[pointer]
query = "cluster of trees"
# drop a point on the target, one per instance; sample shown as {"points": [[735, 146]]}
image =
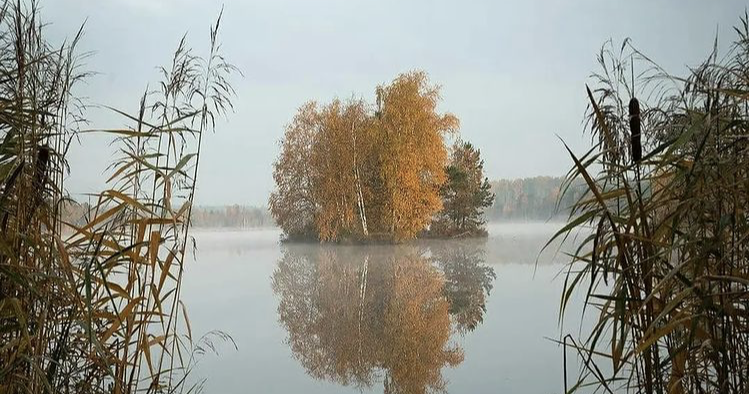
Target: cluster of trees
{"points": [[536, 198], [354, 170], [356, 315]]}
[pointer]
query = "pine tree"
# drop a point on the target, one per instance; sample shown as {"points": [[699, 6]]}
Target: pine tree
{"points": [[465, 195]]}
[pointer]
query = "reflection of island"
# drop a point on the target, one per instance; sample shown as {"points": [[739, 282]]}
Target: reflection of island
{"points": [[467, 283], [358, 315]]}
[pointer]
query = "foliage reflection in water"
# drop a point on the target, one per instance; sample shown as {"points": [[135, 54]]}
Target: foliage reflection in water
{"points": [[363, 315]]}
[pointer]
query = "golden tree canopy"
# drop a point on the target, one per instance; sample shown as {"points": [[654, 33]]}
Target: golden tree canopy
{"points": [[353, 170]]}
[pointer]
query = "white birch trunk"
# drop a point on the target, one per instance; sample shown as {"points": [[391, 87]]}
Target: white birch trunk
{"points": [[359, 194]]}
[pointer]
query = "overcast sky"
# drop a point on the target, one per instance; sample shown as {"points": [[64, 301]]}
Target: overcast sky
{"points": [[514, 72]]}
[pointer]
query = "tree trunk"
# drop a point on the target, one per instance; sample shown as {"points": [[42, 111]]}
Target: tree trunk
{"points": [[360, 201], [359, 194]]}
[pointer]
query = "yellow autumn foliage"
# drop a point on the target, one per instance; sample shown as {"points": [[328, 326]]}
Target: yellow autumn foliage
{"points": [[354, 170]]}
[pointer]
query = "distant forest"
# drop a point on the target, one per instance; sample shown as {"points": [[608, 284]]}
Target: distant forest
{"points": [[530, 199], [523, 199], [229, 216], [232, 216]]}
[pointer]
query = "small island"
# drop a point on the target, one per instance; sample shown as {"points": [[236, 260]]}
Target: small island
{"points": [[351, 171]]}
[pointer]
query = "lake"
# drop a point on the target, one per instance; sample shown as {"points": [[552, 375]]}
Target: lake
{"points": [[468, 316]]}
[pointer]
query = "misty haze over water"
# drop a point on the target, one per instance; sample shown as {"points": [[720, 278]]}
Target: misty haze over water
{"points": [[509, 351]]}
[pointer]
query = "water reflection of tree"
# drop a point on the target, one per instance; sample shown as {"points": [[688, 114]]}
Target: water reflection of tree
{"points": [[468, 282], [358, 315]]}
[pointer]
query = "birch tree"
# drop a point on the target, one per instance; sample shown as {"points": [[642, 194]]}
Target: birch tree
{"points": [[348, 172], [412, 152], [338, 156], [293, 204]]}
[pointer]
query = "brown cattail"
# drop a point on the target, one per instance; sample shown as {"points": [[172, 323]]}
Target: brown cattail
{"points": [[39, 182], [40, 170], [634, 127]]}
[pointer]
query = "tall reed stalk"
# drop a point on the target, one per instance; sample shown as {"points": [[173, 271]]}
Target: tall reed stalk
{"points": [[664, 256], [96, 307]]}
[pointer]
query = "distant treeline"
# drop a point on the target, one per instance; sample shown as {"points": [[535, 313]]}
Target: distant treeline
{"points": [[232, 216], [530, 199]]}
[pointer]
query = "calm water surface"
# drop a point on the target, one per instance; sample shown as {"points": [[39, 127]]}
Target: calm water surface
{"points": [[470, 316]]}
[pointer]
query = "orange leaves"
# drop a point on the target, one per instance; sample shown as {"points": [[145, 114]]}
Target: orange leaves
{"points": [[346, 171], [336, 153], [413, 152], [292, 204]]}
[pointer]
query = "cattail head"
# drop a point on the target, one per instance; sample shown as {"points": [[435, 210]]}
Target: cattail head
{"points": [[40, 169], [634, 128]]}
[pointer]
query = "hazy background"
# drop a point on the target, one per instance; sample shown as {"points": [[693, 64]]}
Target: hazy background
{"points": [[512, 71]]}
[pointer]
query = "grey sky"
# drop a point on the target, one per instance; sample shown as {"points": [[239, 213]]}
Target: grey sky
{"points": [[512, 71]]}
